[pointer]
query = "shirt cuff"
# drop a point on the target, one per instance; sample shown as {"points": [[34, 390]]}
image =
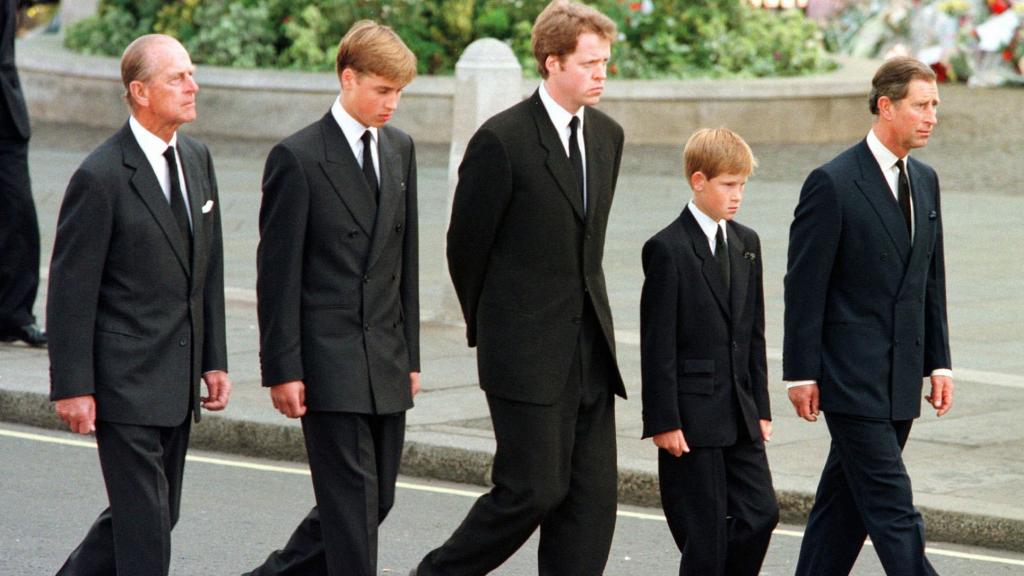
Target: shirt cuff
{"points": [[796, 383], [943, 372]]}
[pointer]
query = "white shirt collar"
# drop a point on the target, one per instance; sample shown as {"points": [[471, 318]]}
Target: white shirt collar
{"points": [[708, 226], [560, 117], [352, 128], [885, 157], [151, 144]]}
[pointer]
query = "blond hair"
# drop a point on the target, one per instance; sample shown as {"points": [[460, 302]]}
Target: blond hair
{"points": [[714, 151], [560, 24], [370, 48]]}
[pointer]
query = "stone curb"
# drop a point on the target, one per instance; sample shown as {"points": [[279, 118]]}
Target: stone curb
{"points": [[452, 464]]}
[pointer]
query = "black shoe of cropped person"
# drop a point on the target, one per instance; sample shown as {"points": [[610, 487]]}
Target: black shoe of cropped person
{"points": [[29, 334]]}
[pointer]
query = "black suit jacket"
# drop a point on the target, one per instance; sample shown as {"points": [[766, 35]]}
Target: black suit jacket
{"points": [[337, 275], [14, 123], [522, 253], [865, 307], [129, 322], [702, 350]]}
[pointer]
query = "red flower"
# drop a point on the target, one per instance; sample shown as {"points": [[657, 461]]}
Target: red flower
{"points": [[1007, 55], [635, 6], [941, 75], [998, 6]]}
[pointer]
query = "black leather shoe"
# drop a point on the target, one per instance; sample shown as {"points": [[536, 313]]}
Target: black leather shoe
{"points": [[29, 334]]}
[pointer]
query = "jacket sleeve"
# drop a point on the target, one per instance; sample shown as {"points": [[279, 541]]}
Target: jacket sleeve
{"points": [[659, 300], [84, 229], [813, 242], [215, 354], [410, 288], [283, 218], [483, 192], [758, 368], [936, 325]]}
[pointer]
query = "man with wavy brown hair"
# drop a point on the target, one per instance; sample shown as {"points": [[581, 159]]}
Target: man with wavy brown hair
{"points": [[524, 251], [338, 302]]}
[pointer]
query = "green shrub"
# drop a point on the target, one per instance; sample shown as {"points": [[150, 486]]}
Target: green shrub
{"points": [[658, 39]]}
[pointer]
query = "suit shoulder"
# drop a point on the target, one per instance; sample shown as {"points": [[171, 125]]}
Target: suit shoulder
{"points": [[304, 140], [105, 158], [510, 120], [604, 122], [669, 237]]}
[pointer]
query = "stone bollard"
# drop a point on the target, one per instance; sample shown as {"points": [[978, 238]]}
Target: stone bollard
{"points": [[72, 11], [488, 79]]}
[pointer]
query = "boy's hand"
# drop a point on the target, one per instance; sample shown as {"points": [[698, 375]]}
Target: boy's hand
{"points": [[672, 442], [766, 430]]}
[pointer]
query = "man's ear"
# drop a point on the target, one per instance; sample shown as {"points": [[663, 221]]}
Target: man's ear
{"points": [[138, 92]]}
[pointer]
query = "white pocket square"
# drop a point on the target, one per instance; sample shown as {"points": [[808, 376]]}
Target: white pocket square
{"points": [[207, 207]]}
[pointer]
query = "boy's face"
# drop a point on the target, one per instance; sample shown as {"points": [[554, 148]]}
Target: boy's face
{"points": [[719, 197], [369, 98]]}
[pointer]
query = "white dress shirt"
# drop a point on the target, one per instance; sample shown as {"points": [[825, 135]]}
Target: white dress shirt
{"points": [[153, 147], [888, 161], [561, 118], [709, 226], [353, 130]]}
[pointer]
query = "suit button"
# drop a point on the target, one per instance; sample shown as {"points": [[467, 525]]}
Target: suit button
{"points": [[353, 234], [884, 255], [366, 327], [399, 227], [917, 342], [366, 279], [896, 343], [183, 342], [576, 319]]}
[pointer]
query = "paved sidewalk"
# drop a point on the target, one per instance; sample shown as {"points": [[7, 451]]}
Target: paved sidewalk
{"points": [[968, 467]]}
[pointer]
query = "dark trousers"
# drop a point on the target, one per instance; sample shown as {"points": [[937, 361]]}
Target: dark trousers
{"points": [[554, 468], [354, 460], [864, 490], [720, 506], [19, 237], [142, 468]]}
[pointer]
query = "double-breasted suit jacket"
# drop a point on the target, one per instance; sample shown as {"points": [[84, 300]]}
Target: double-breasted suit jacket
{"points": [[338, 275], [865, 306], [703, 348], [523, 253], [133, 319]]}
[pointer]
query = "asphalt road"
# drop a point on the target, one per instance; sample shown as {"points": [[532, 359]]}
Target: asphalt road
{"points": [[237, 510]]}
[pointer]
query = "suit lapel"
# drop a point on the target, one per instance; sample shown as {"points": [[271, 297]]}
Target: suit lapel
{"points": [[739, 270], [392, 186], [148, 188], [557, 160], [197, 194], [875, 188], [342, 170], [709, 266]]}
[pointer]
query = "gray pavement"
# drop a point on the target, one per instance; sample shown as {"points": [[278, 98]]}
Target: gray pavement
{"points": [[268, 498], [967, 467]]}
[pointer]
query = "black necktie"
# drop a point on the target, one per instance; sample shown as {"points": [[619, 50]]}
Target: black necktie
{"points": [[903, 193], [178, 202], [575, 158], [722, 255], [368, 172]]}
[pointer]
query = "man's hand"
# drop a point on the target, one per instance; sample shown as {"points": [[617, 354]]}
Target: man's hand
{"points": [[79, 412], [941, 397], [218, 388], [672, 442], [805, 400], [289, 398], [414, 382], [766, 430]]}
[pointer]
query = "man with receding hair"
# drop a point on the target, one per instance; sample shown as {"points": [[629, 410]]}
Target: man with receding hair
{"points": [[338, 302], [136, 310], [866, 323], [525, 245]]}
